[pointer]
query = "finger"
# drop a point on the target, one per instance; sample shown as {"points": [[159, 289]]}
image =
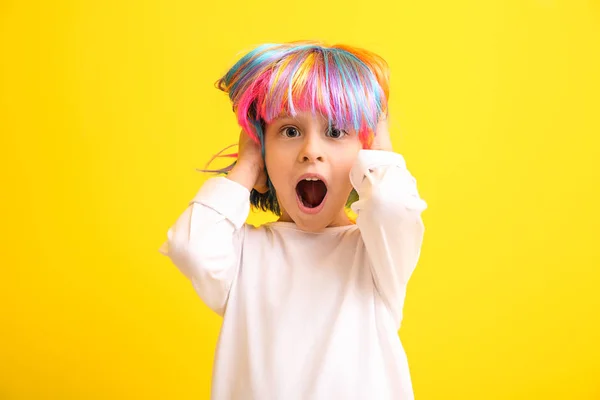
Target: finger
{"points": [[382, 126], [261, 189]]}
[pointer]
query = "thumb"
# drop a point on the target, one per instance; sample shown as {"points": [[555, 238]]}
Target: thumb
{"points": [[261, 182]]}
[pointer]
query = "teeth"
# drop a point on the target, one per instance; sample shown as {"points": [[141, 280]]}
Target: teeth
{"points": [[311, 179]]}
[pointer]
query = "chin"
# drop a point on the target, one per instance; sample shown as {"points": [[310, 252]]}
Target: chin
{"points": [[312, 219], [313, 223]]}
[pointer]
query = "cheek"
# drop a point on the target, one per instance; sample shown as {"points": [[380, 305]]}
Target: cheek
{"points": [[342, 170], [276, 169], [348, 160], [344, 167]]}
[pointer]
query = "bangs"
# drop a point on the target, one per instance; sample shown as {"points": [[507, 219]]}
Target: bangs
{"points": [[348, 86]]}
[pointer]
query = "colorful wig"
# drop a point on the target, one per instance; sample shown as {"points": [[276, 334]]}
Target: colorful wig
{"points": [[349, 86]]}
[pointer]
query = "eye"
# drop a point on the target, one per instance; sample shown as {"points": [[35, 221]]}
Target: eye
{"points": [[336, 133], [290, 132]]}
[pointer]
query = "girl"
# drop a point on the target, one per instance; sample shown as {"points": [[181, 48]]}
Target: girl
{"points": [[311, 303]]}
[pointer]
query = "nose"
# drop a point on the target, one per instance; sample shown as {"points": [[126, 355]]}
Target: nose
{"points": [[312, 149]]}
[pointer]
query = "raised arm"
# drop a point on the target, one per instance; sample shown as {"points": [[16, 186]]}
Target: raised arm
{"points": [[389, 218], [206, 240]]}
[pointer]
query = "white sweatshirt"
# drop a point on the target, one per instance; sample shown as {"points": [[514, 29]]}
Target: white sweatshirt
{"points": [[306, 315]]}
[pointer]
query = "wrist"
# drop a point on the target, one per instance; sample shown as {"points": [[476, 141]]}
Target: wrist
{"points": [[383, 147], [245, 175]]}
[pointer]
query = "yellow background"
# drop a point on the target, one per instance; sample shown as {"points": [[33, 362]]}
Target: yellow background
{"points": [[107, 108]]}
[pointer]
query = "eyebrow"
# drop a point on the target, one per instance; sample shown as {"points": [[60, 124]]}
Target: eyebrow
{"points": [[285, 117]]}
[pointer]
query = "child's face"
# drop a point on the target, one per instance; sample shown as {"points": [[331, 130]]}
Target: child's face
{"points": [[296, 146]]}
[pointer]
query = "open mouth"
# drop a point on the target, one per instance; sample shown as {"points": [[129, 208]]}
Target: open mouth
{"points": [[311, 192]]}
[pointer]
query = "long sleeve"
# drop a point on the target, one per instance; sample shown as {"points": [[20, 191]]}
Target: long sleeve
{"points": [[389, 218], [205, 241]]}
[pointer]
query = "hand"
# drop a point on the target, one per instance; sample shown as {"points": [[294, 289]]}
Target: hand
{"points": [[249, 169], [382, 140]]}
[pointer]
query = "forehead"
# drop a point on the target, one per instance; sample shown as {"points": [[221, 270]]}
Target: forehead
{"points": [[302, 117]]}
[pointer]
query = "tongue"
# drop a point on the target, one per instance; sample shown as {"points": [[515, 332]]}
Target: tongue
{"points": [[312, 193]]}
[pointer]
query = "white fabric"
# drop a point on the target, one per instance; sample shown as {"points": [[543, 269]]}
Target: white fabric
{"points": [[306, 315]]}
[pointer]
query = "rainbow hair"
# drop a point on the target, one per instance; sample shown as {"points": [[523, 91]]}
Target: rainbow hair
{"points": [[348, 85]]}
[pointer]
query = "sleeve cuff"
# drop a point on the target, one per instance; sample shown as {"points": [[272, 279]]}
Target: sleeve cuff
{"points": [[370, 159], [226, 197]]}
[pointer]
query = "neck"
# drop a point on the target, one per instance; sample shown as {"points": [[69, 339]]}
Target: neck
{"points": [[341, 219]]}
